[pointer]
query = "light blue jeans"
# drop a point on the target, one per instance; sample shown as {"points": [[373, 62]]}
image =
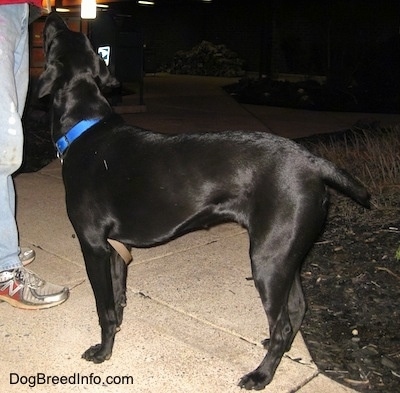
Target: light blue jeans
{"points": [[14, 78]]}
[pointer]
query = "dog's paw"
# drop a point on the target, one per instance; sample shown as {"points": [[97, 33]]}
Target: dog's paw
{"points": [[254, 381], [96, 354]]}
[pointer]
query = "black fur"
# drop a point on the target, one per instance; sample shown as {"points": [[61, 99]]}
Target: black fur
{"points": [[144, 188]]}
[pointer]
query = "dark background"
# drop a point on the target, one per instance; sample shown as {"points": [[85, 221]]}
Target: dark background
{"points": [[334, 38]]}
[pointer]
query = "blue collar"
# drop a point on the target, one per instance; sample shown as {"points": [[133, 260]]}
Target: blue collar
{"points": [[74, 133]]}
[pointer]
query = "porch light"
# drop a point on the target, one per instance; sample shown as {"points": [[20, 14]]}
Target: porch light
{"points": [[88, 9]]}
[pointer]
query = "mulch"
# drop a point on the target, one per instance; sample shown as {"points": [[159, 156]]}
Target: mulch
{"points": [[351, 280]]}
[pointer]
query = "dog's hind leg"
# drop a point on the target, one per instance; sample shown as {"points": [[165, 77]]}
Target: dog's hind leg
{"points": [[273, 281], [277, 250], [297, 309], [98, 267], [119, 272]]}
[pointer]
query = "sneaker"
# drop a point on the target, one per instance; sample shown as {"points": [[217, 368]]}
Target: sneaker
{"points": [[22, 288], [26, 255]]}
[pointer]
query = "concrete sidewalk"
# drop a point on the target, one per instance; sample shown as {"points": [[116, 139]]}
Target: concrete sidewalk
{"points": [[193, 322], [177, 103]]}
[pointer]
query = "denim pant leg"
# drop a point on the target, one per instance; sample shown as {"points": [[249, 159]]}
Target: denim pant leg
{"points": [[14, 66]]}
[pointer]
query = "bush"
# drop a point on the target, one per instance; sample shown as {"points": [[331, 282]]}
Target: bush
{"points": [[208, 59]]}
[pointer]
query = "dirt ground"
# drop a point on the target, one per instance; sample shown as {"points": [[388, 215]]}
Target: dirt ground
{"points": [[351, 281]]}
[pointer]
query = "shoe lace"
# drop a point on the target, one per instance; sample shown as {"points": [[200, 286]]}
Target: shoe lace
{"points": [[29, 278]]}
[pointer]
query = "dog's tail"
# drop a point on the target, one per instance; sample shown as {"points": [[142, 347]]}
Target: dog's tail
{"points": [[342, 181]]}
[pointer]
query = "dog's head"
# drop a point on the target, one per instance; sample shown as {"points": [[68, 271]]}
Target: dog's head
{"points": [[69, 53]]}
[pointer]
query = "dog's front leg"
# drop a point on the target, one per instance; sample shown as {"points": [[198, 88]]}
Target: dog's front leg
{"points": [[98, 268], [119, 271]]}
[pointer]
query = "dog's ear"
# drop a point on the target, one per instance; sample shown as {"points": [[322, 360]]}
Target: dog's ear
{"points": [[104, 76], [47, 81], [53, 26]]}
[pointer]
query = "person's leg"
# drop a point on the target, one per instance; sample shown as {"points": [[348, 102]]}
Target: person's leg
{"points": [[26, 255], [18, 286], [14, 66]]}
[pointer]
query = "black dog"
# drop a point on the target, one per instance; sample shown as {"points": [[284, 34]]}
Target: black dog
{"points": [[142, 189]]}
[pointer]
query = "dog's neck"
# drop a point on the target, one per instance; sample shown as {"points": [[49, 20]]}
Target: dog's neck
{"points": [[63, 143], [80, 100]]}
